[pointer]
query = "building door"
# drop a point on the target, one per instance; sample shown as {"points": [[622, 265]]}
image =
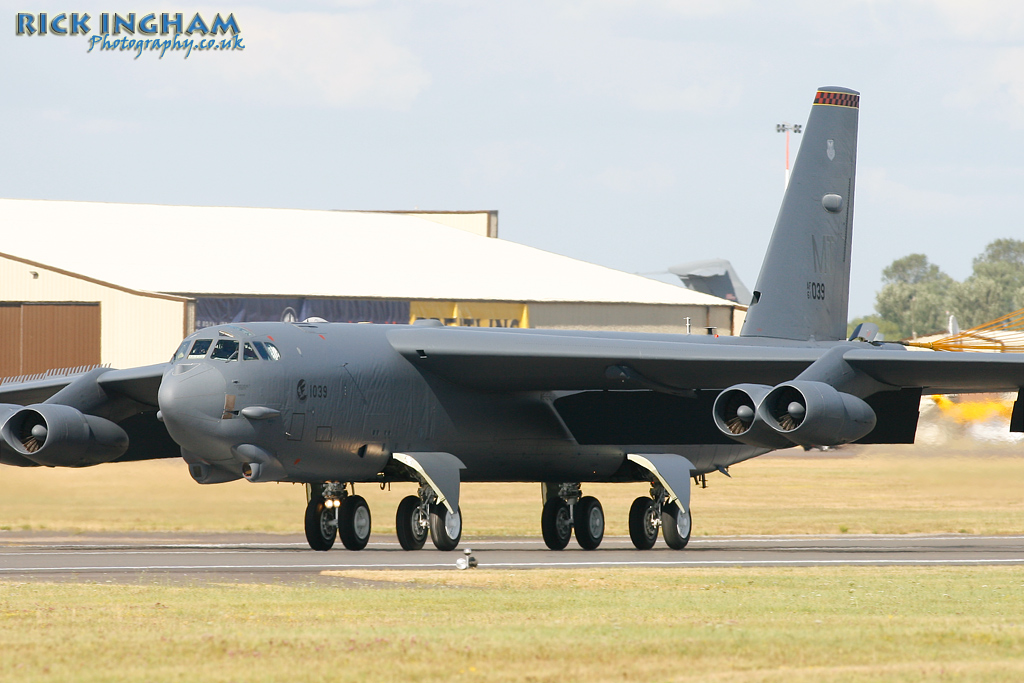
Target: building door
{"points": [[38, 337]]}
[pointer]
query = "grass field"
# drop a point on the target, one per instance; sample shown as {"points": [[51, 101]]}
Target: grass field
{"points": [[807, 624], [621, 624], [893, 489]]}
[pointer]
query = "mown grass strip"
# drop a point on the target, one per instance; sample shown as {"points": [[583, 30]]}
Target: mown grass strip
{"points": [[804, 624]]}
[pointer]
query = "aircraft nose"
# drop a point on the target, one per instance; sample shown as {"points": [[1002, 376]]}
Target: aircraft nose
{"points": [[192, 401]]}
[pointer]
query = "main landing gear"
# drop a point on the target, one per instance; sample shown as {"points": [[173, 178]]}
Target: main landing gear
{"points": [[333, 511], [421, 514], [647, 515], [566, 509]]}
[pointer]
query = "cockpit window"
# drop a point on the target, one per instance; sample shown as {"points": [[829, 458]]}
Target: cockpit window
{"points": [[249, 353], [182, 350], [262, 350], [200, 348], [226, 349], [272, 351]]}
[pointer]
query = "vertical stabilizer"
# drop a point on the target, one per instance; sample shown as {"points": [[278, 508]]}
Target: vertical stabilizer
{"points": [[803, 291]]}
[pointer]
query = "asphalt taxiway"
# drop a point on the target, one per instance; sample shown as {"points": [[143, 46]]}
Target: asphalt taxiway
{"points": [[51, 556]]}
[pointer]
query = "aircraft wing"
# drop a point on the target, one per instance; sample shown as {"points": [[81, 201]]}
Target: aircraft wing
{"points": [[127, 398], [495, 361], [36, 389], [941, 372], [508, 361], [139, 384]]}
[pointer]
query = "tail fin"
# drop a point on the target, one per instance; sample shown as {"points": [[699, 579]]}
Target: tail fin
{"points": [[803, 291]]}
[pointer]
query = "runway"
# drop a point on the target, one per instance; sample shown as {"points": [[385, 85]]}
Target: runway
{"points": [[51, 556]]}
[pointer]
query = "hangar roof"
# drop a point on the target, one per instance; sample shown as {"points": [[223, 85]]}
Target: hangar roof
{"points": [[289, 252]]}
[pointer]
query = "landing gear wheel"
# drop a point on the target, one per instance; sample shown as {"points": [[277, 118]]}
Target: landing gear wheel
{"points": [[556, 524], [643, 528], [354, 522], [321, 525], [445, 527], [412, 528], [675, 526], [589, 523]]}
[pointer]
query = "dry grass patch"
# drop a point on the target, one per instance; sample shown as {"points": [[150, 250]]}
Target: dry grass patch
{"points": [[879, 489]]}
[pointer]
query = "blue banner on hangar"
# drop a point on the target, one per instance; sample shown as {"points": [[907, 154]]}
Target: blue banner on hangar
{"points": [[218, 311]]}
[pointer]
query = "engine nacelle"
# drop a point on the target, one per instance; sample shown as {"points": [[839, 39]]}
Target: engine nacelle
{"points": [[60, 436], [7, 454], [815, 414], [737, 417]]}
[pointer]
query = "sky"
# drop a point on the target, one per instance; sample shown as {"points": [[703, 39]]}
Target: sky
{"points": [[635, 135]]}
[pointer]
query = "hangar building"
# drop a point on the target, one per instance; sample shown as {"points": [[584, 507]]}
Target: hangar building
{"points": [[81, 278]]}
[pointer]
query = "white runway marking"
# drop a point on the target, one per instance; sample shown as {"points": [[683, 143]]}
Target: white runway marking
{"points": [[508, 565]]}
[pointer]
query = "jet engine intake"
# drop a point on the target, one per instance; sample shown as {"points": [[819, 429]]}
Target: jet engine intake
{"points": [[815, 414], [61, 436], [7, 455], [736, 416]]}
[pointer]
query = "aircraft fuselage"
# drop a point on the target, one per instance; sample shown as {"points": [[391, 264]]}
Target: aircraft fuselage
{"points": [[340, 399]]}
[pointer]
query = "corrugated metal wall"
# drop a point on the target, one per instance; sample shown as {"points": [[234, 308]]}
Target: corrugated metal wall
{"points": [[59, 335], [37, 337], [10, 340]]}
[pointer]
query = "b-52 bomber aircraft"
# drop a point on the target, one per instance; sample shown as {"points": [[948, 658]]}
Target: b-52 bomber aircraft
{"points": [[330, 405]]}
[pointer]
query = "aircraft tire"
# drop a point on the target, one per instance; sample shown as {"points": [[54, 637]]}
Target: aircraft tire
{"points": [[411, 534], [642, 530], [320, 521], [354, 522], [589, 523], [445, 528], [556, 524], [675, 526]]}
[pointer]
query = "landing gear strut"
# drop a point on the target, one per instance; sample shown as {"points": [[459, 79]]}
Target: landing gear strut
{"points": [[647, 515], [436, 505], [568, 510], [333, 511]]}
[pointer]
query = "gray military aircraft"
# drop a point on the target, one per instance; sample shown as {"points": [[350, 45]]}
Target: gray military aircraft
{"points": [[329, 405]]}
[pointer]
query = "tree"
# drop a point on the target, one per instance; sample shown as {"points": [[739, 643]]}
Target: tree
{"points": [[915, 296], [995, 288]]}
